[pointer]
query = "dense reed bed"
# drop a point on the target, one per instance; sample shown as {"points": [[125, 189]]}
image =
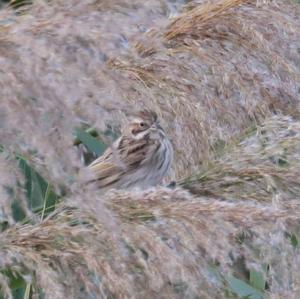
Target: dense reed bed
{"points": [[223, 77]]}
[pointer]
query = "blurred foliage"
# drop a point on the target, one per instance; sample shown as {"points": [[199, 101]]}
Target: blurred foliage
{"points": [[252, 288], [42, 199], [243, 289], [92, 143], [16, 283], [293, 239], [40, 195]]}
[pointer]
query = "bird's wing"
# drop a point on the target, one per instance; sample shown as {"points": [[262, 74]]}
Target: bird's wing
{"points": [[106, 170], [123, 157]]}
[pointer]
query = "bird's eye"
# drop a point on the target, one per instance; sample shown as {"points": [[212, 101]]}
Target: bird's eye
{"points": [[143, 125]]}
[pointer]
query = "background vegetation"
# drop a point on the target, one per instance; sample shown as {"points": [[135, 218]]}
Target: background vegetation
{"points": [[223, 77]]}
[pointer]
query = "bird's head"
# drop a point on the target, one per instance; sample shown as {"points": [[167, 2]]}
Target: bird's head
{"points": [[145, 124]]}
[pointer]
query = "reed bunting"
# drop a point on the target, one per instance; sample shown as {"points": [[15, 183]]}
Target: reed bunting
{"points": [[141, 157]]}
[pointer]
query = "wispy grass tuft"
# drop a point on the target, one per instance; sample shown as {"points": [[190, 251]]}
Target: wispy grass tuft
{"points": [[264, 166]]}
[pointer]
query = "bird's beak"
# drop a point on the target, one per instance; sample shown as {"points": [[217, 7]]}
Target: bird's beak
{"points": [[155, 127], [159, 127]]}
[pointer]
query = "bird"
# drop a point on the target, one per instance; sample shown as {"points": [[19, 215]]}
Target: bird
{"points": [[140, 158]]}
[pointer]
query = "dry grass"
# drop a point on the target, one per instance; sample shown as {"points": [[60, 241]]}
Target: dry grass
{"points": [[263, 166], [207, 84], [223, 77], [162, 242], [199, 15]]}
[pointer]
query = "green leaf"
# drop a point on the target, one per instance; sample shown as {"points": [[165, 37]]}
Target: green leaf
{"points": [[294, 241], [16, 283], [215, 274], [257, 280], [242, 289], [93, 144], [19, 293], [93, 132], [17, 211], [3, 226], [40, 194], [50, 199], [111, 133], [15, 280], [34, 186]]}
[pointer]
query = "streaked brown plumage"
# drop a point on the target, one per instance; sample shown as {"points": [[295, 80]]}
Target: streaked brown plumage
{"points": [[141, 157]]}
